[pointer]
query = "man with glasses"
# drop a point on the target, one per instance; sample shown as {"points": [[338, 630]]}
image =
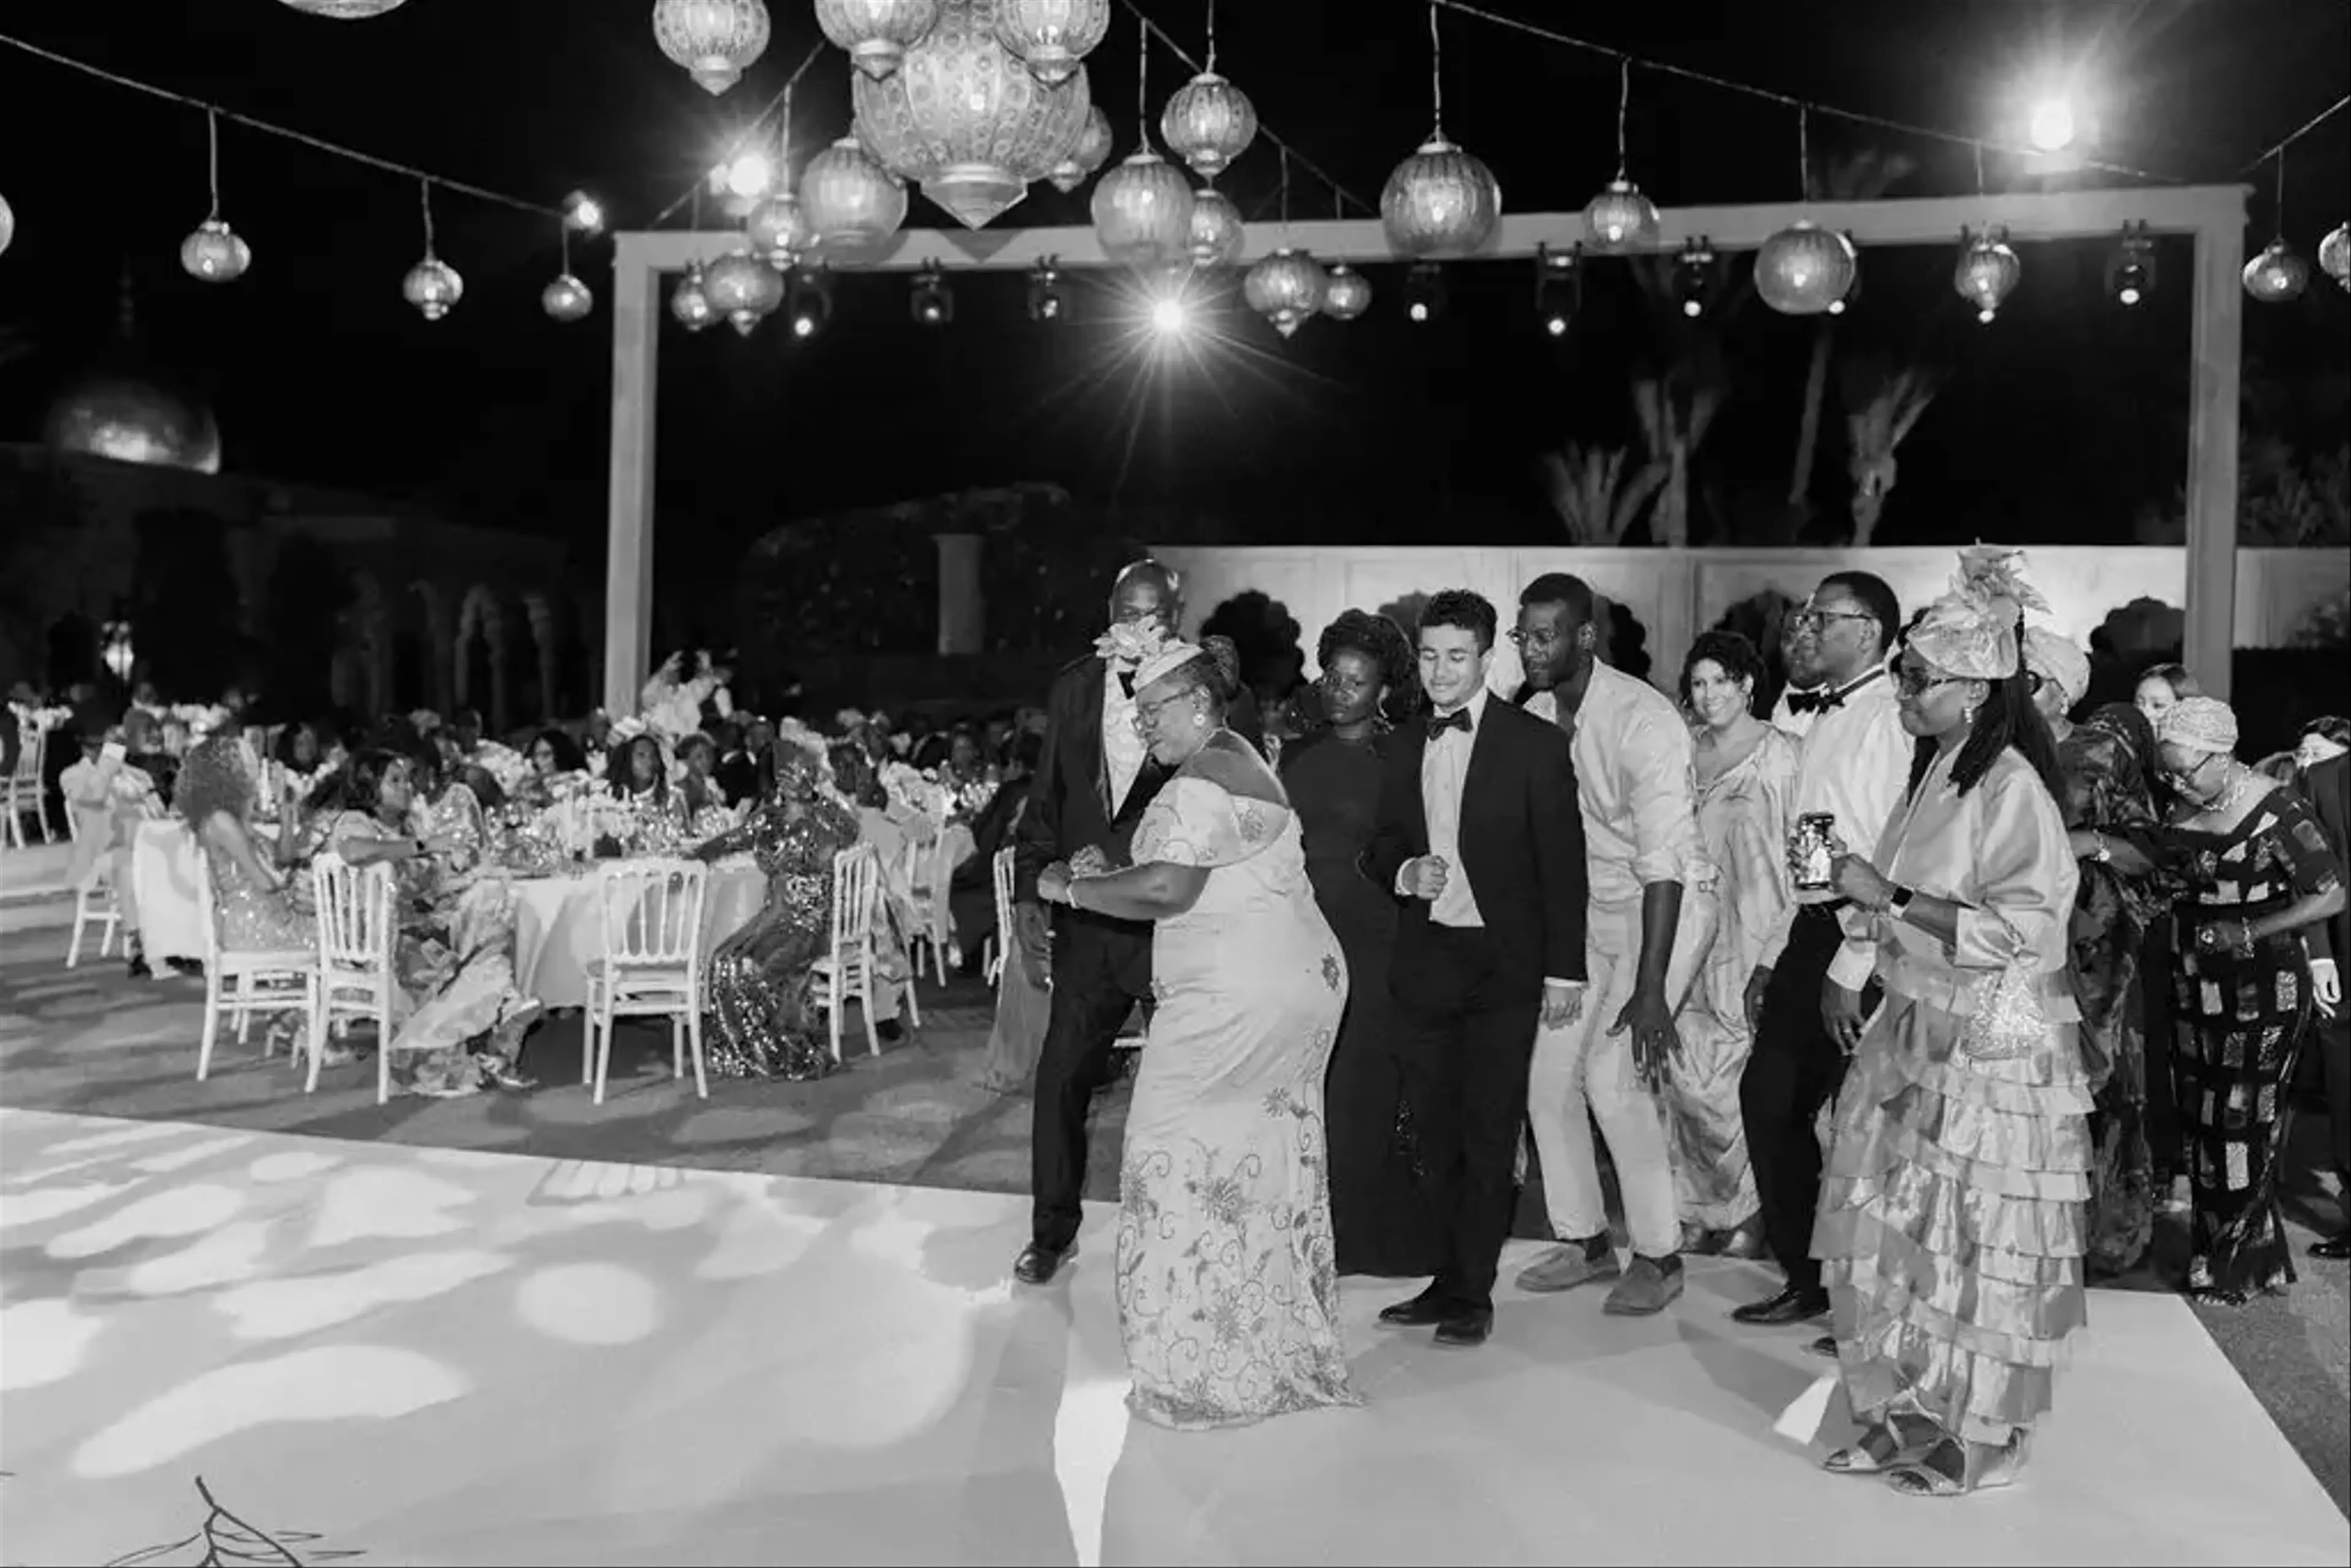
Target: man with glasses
{"points": [[1809, 995], [1637, 795]]}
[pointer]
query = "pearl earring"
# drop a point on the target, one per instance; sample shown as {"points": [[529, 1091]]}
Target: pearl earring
{"points": [[1197, 721]]}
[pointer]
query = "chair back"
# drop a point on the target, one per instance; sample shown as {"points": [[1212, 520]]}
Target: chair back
{"points": [[1001, 870], [207, 912], [856, 885], [357, 922], [32, 749], [652, 912]]}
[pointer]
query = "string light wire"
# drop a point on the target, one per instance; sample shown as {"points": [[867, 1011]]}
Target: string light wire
{"points": [[1142, 88], [2313, 124], [1624, 113], [743, 142], [425, 200], [212, 160], [1436, 74]]}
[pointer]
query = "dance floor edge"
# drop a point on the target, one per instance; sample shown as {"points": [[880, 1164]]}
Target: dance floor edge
{"points": [[236, 1345]]}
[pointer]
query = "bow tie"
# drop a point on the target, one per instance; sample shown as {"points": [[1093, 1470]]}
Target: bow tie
{"points": [[1127, 682], [1457, 719], [1814, 702]]}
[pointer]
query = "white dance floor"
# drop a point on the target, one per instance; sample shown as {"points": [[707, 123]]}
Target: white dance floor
{"points": [[221, 1346]]}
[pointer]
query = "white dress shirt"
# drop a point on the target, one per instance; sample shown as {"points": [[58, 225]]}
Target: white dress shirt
{"points": [[1635, 784], [1854, 763], [1123, 751], [1443, 767]]}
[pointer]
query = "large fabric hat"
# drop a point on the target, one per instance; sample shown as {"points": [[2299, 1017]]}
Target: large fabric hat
{"points": [[2058, 660], [2200, 724], [1971, 631]]}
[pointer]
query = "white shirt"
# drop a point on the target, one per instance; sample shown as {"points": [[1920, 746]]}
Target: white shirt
{"points": [[1853, 763], [1123, 751], [1444, 766], [1635, 784]]}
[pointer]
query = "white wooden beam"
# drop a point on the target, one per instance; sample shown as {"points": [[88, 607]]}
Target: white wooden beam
{"points": [[637, 307], [2027, 216], [2216, 352]]}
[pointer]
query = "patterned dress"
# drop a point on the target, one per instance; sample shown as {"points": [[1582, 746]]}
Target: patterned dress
{"points": [[2238, 1022], [1228, 1289], [762, 979]]}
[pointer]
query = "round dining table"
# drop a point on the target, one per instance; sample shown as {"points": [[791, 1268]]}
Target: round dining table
{"points": [[559, 925]]}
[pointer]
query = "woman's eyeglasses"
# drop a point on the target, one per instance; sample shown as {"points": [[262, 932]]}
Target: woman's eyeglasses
{"points": [[1146, 715], [1916, 682]]}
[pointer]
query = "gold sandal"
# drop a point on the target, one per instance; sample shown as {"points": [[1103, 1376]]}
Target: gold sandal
{"points": [[1981, 1468], [1883, 1447]]}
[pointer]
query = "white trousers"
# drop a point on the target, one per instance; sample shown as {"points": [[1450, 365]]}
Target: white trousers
{"points": [[1582, 1073]]}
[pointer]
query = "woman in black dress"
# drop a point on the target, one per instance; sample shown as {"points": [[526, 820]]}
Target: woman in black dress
{"points": [[1381, 1208]]}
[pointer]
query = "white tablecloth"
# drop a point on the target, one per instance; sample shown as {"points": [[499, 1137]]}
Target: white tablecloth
{"points": [[560, 929]]}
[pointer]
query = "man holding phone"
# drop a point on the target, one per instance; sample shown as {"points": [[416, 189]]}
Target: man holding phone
{"points": [[1809, 996]]}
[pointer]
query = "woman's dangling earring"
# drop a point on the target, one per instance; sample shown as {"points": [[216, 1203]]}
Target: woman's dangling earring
{"points": [[1968, 716], [1199, 720]]}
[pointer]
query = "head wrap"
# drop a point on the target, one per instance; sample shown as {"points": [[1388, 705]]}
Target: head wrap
{"points": [[1165, 660], [2200, 724], [2057, 660], [1970, 631]]}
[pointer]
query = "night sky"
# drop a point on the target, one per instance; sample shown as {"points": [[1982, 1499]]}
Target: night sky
{"points": [[2059, 422]]}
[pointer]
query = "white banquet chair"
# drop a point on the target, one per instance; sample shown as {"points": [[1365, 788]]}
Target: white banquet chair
{"points": [[994, 951], [24, 797], [96, 901], [928, 875], [653, 963], [358, 928], [245, 982], [846, 971]]}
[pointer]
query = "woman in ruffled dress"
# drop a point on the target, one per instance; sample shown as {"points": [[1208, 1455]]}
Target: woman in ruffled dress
{"points": [[763, 978], [1746, 782], [2108, 763], [1227, 1292], [2259, 873], [458, 1017], [1951, 1228]]}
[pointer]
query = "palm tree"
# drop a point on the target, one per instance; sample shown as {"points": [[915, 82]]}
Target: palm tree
{"points": [[1676, 409], [1882, 403], [1596, 499], [1864, 177]]}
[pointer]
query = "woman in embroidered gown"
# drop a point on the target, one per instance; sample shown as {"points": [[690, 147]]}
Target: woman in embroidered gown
{"points": [[1952, 1211], [2108, 763], [2259, 872], [257, 905], [762, 979], [1227, 1294], [1382, 1212], [1746, 782], [457, 1016]]}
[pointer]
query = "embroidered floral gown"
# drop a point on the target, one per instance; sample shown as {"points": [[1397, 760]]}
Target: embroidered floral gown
{"points": [[1227, 1279], [762, 979]]}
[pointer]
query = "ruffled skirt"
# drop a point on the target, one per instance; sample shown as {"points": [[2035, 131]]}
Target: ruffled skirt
{"points": [[1952, 1223]]}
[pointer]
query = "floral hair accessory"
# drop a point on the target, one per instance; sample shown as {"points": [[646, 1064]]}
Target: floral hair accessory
{"points": [[625, 730], [1971, 631], [2057, 660], [1128, 643], [849, 720]]}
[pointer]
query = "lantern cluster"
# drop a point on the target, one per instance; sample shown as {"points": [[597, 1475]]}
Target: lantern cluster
{"points": [[876, 34], [715, 40]]}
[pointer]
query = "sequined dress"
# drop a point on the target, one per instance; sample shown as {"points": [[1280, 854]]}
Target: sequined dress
{"points": [[763, 978]]}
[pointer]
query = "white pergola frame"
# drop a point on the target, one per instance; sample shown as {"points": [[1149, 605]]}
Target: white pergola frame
{"points": [[2213, 215]]}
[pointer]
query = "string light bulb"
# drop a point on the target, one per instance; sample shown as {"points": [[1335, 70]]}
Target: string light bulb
{"points": [[583, 214], [565, 298], [432, 286], [214, 253], [2277, 275]]}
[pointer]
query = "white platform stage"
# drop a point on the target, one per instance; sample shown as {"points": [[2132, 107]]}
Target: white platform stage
{"points": [[382, 1354]]}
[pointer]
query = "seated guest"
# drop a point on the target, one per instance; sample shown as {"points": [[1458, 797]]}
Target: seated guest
{"points": [[2322, 737], [106, 798], [142, 747], [971, 889], [697, 756], [738, 771], [300, 750], [554, 755]]}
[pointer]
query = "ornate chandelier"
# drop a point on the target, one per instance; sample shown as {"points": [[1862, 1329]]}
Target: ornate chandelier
{"points": [[1620, 218], [778, 229], [715, 40], [1285, 288], [1091, 152], [2277, 275], [691, 301], [743, 288], [1346, 293], [1052, 36], [876, 34], [1988, 269], [1805, 270], [849, 202], [965, 118], [1217, 233], [2333, 253], [345, 10], [1440, 202], [1208, 123]]}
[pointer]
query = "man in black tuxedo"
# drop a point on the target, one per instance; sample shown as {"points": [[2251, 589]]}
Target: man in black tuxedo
{"points": [[1479, 835], [2327, 786], [1092, 781]]}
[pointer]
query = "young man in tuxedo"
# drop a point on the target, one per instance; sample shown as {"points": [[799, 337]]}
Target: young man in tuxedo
{"points": [[1095, 776], [1478, 836]]}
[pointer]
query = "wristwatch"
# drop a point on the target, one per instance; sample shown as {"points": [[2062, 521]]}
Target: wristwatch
{"points": [[1899, 904]]}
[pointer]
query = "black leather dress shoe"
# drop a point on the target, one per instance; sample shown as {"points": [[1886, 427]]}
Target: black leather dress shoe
{"points": [[2335, 1249], [1466, 1328], [1789, 1306], [1419, 1313], [1038, 1264]]}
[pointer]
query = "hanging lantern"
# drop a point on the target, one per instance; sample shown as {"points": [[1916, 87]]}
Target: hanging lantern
{"points": [[1621, 218], [1346, 294], [1987, 271], [963, 116], [345, 10], [434, 286], [743, 288], [1052, 36], [1217, 233], [1440, 202], [778, 229], [1285, 287], [2277, 275], [7, 225], [215, 254], [565, 298], [715, 40], [1804, 269], [1143, 212], [1208, 123], [2334, 251], [876, 34], [691, 302], [850, 202], [1091, 152]]}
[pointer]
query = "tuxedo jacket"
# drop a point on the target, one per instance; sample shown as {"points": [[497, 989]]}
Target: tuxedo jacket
{"points": [[2327, 788], [1521, 844], [1069, 804]]}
